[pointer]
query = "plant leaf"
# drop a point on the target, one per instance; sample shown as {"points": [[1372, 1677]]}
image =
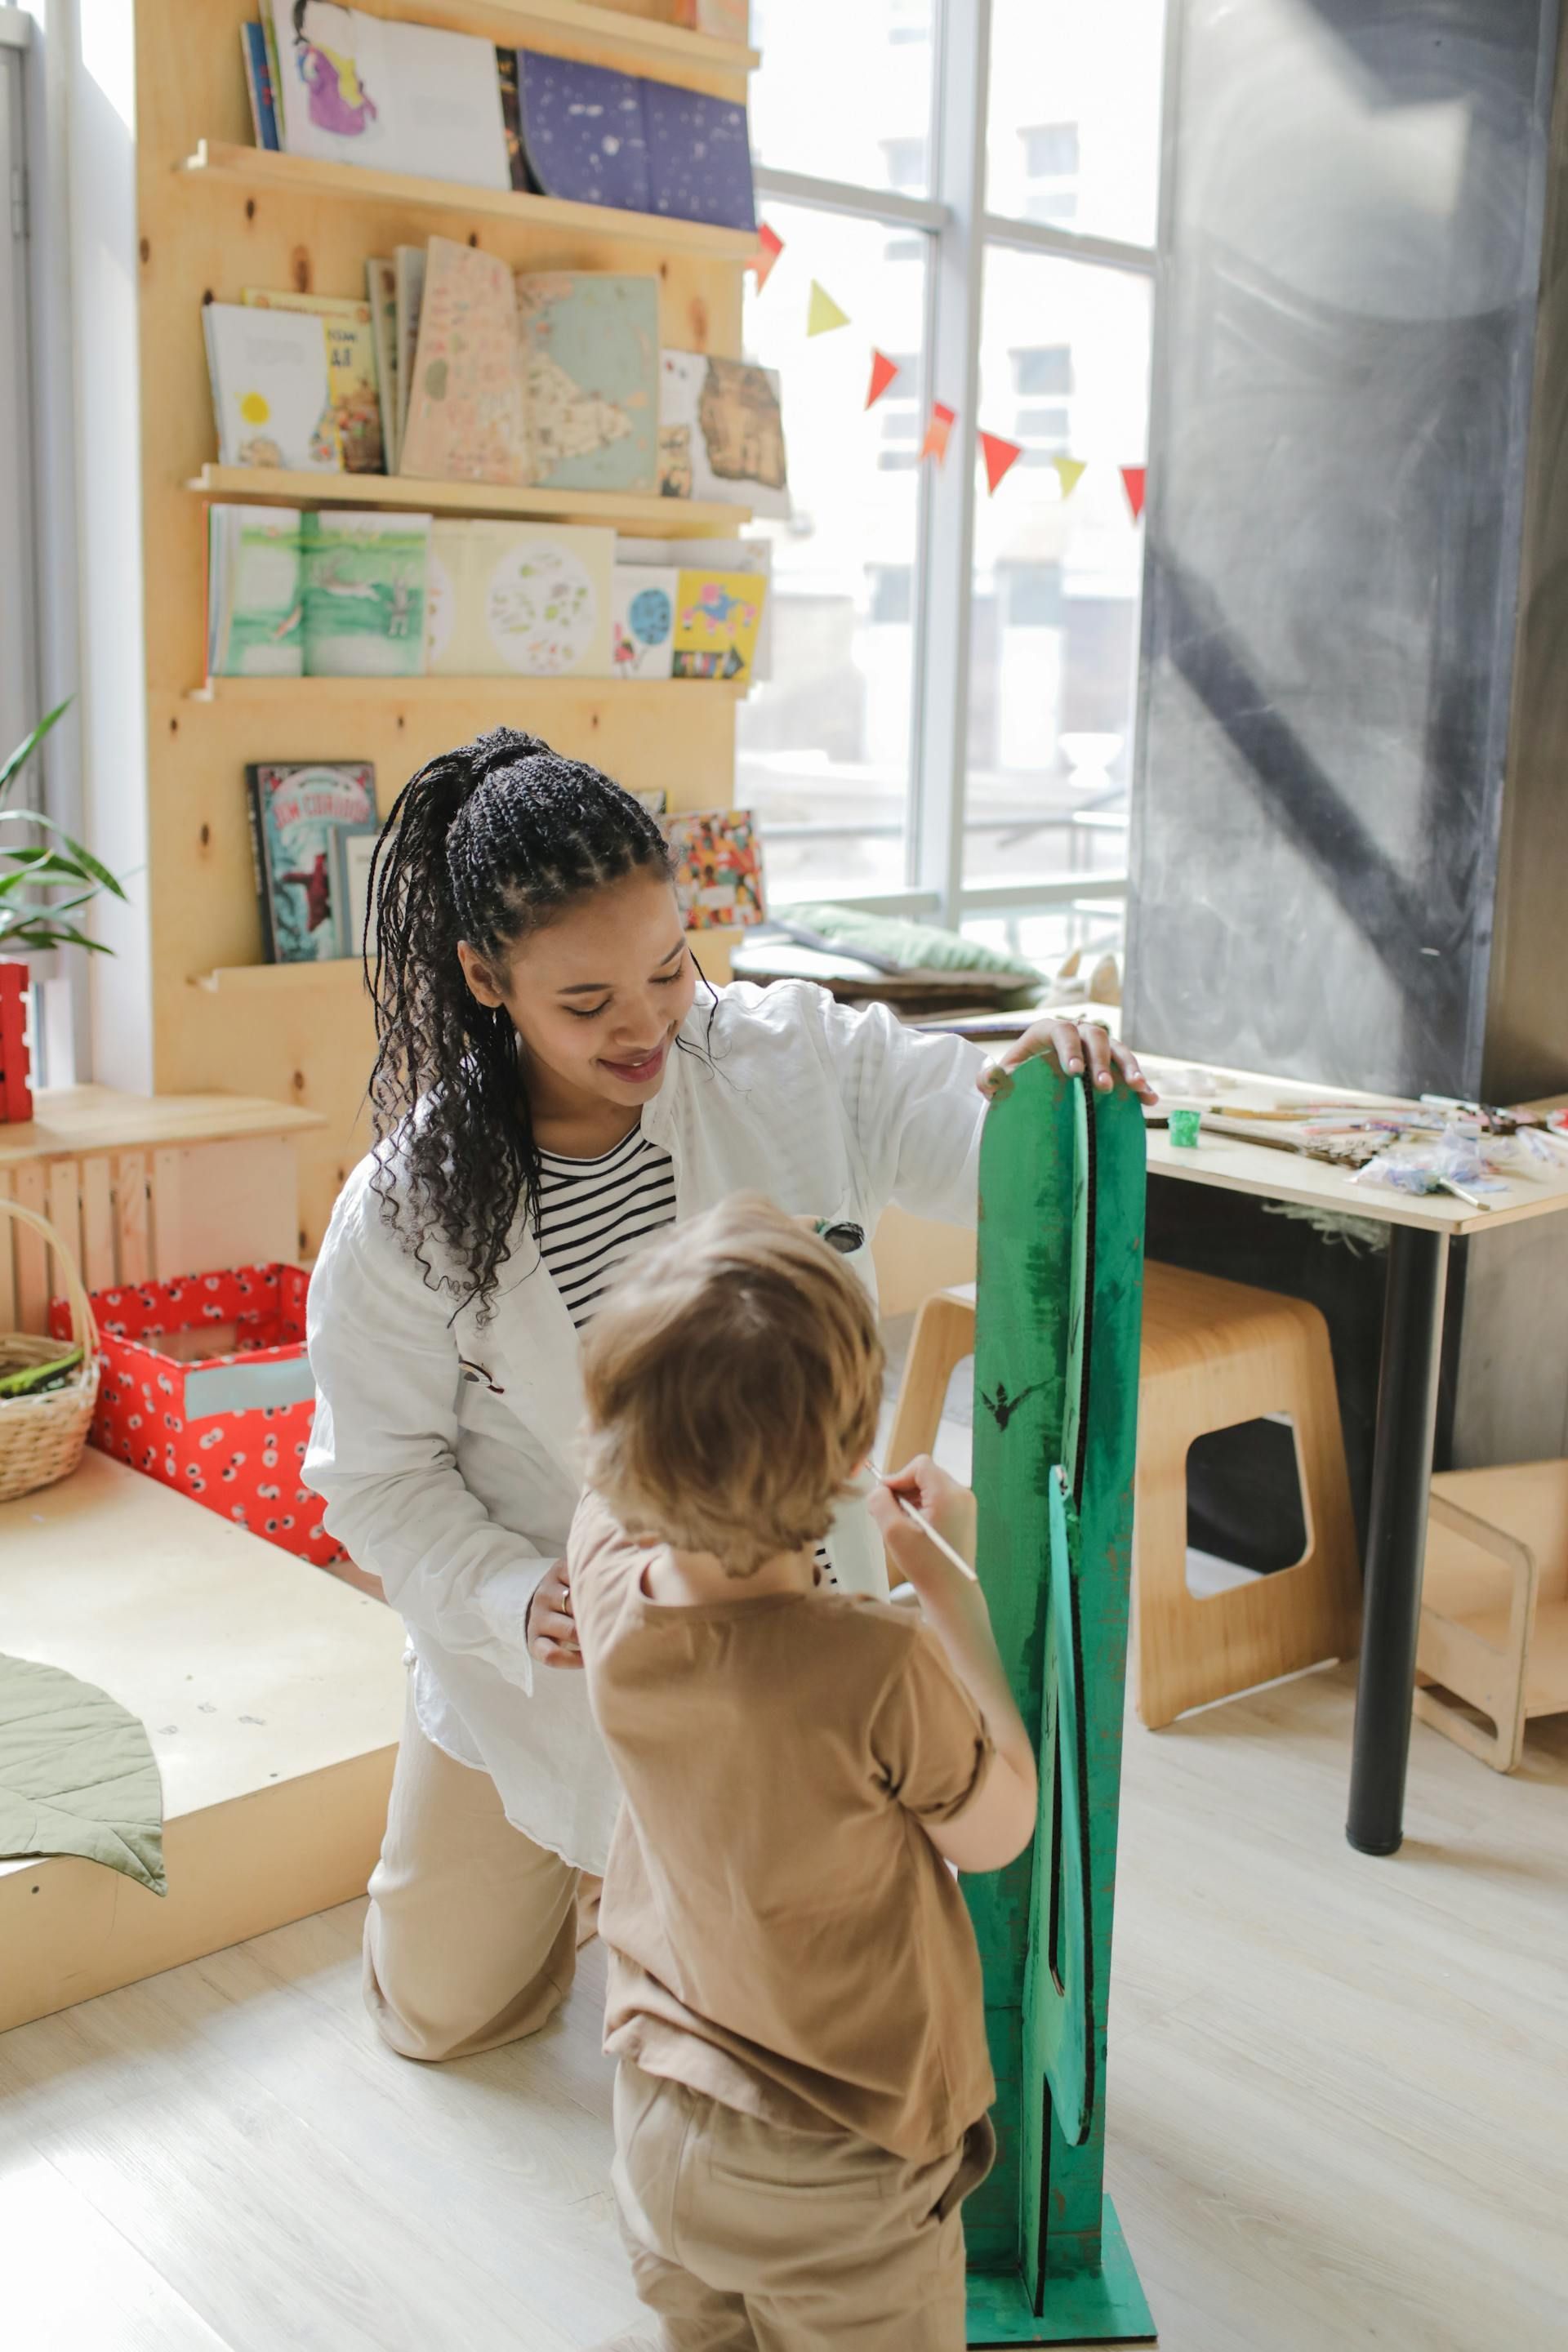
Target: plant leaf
{"points": [[24, 751], [100, 874]]}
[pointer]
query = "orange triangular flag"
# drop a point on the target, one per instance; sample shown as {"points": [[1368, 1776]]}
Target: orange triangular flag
{"points": [[999, 456], [1070, 472], [823, 313], [770, 244], [943, 421], [1132, 478], [883, 371]]}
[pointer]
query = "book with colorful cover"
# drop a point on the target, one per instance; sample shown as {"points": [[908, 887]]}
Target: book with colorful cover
{"points": [[754, 556], [358, 88], [271, 393], [590, 380], [583, 132], [255, 592], [364, 594], [465, 404], [350, 368], [718, 869], [519, 599], [721, 433], [259, 86], [717, 614], [381, 293], [296, 812], [409, 266], [699, 156], [353, 854], [642, 627]]}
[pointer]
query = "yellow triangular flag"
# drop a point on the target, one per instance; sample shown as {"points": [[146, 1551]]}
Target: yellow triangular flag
{"points": [[1069, 471], [823, 313]]}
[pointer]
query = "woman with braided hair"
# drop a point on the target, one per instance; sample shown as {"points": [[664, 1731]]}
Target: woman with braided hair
{"points": [[554, 1082]]}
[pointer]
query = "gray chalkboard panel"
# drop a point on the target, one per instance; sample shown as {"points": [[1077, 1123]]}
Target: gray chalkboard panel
{"points": [[1350, 251]]}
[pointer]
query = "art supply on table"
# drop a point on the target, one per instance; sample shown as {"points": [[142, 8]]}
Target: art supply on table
{"points": [[1185, 1126]]}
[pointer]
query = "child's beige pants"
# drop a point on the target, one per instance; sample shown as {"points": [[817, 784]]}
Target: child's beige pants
{"points": [[472, 1933], [744, 2237]]}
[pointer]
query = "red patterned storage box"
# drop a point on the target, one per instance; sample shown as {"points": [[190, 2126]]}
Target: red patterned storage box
{"points": [[229, 1430]]}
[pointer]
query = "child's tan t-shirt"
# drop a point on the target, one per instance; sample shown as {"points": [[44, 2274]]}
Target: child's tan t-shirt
{"points": [[783, 1935]]}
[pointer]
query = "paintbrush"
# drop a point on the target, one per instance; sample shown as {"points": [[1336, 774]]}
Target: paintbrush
{"points": [[920, 1520]]}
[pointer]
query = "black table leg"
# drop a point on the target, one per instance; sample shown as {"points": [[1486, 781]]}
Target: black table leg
{"points": [[1396, 1535]]}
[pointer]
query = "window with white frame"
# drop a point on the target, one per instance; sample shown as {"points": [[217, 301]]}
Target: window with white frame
{"points": [[947, 725]]}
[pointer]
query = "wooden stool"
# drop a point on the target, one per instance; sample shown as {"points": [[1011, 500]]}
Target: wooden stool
{"points": [[1214, 1354], [1494, 1606]]}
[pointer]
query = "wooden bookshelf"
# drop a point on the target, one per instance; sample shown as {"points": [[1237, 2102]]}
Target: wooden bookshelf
{"points": [[634, 518], [651, 696], [573, 28], [302, 176]]}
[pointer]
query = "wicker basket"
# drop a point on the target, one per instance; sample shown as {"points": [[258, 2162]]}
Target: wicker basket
{"points": [[42, 1437]]}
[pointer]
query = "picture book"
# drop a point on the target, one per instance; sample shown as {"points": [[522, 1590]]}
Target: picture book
{"points": [[364, 594], [716, 618], [721, 433], [255, 580], [718, 869], [351, 369], [296, 812], [354, 852], [271, 393], [582, 134], [409, 266], [699, 156], [519, 599], [754, 556], [511, 118], [358, 88], [642, 629], [590, 380], [381, 292], [465, 404], [258, 84]]}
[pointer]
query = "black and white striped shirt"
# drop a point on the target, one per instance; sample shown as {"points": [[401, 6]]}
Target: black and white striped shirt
{"points": [[594, 1214]]}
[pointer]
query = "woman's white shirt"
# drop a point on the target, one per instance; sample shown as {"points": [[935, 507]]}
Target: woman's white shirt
{"points": [[446, 1447]]}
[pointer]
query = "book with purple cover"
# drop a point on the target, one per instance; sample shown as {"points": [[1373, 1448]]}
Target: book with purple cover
{"points": [[698, 157], [583, 132]]}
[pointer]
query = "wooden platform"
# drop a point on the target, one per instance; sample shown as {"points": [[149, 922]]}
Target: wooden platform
{"points": [[272, 1693]]}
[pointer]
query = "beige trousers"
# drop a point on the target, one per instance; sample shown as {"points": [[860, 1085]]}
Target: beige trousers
{"points": [[744, 2237], [472, 1933]]}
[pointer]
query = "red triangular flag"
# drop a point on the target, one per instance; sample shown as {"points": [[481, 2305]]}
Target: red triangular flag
{"points": [[943, 421], [883, 371], [999, 456], [1132, 478], [770, 244]]}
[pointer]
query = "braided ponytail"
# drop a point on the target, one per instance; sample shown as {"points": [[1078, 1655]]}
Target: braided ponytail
{"points": [[484, 844]]}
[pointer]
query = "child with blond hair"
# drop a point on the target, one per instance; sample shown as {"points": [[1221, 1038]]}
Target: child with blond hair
{"points": [[795, 1993]]}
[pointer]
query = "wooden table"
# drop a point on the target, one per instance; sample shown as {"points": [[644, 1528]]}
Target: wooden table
{"points": [[1420, 1228]]}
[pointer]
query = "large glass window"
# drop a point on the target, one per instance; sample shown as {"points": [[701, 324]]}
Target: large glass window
{"points": [[1073, 128], [844, 93]]}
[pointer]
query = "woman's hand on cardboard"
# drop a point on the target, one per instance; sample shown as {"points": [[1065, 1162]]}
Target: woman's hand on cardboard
{"points": [[551, 1629], [1072, 1046]]}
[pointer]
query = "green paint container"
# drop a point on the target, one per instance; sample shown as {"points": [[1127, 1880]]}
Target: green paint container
{"points": [[1185, 1125]]}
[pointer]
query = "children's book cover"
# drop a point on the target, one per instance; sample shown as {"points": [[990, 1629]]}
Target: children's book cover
{"points": [[351, 369], [590, 379], [358, 88], [254, 580], [718, 869], [465, 404], [519, 599], [511, 119], [381, 293], [272, 393], [721, 433], [353, 853], [364, 594], [582, 136], [408, 263], [643, 623], [699, 156], [258, 84], [717, 615], [295, 813], [754, 556]]}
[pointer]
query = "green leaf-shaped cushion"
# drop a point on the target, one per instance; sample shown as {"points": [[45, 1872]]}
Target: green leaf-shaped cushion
{"points": [[77, 1775]]}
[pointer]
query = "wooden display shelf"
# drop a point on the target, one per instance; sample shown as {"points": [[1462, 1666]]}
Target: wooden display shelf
{"points": [[580, 30], [647, 694], [636, 518], [72, 1120], [302, 176], [345, 973]]}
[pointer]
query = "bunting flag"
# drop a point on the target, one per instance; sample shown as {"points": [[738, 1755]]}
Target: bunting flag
{"points": [[1070, 472], [1132, 478], [883, 371], [823, 313], [943, 421], [770, 244], [999, 457]]}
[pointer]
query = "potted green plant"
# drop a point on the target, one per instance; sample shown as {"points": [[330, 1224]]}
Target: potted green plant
{"points": [[34, 916]]}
